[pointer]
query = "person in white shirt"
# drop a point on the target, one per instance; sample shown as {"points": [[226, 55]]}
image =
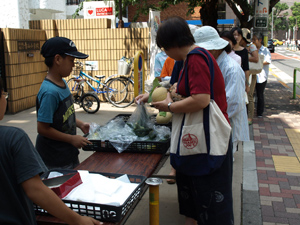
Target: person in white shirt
{"points": [[234, 77], [262, 77]]}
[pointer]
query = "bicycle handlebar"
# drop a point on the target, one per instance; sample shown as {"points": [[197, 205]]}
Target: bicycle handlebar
{"points": [[81, 64]]}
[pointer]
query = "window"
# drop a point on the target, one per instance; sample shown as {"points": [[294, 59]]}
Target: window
{"points": [[74, 2], [221, 10]]}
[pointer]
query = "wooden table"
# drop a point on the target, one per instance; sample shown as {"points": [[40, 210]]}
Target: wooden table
{"points": [[144, 164]]}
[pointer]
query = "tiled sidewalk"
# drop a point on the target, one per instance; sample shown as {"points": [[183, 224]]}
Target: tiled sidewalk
{"points": [[277, 147]]}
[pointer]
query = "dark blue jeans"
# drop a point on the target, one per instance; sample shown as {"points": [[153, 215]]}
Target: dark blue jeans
{"points": [[260, 105], [208, 199]]}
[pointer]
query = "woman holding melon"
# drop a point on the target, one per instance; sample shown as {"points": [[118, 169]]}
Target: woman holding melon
{"points": [[204, 197]]}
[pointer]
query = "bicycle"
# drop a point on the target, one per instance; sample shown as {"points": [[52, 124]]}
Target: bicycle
{"points": [[123, 86], [88, 101], [102, 88]]}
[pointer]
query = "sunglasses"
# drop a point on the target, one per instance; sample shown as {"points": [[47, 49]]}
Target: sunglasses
{"points": [[5, 95]]}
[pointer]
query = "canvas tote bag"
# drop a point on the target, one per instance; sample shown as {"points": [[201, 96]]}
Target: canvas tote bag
{"points": [[199, 140], [255, 68]]}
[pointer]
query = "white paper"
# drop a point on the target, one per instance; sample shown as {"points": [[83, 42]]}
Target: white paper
{"points": [[96, 188], [54, 174]]}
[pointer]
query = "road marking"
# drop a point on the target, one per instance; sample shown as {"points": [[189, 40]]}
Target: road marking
{"points": [[286, 164], [282, 77], [289, 164], [294, 137], [295, 57]]}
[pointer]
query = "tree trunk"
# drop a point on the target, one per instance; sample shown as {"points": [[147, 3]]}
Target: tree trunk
{"points": [[120, 23], [246, 24], [209, 13]]}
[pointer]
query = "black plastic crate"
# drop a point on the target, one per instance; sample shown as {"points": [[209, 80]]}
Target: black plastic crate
{"points": [[152, 117], [135, 147], [105, 213]]}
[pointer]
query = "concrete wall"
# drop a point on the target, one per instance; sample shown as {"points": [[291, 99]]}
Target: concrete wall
{"points": [[50, 5], [17, 13], [14, 14]]}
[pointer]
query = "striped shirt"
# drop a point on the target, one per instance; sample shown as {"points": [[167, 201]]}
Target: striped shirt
{"points": [[234, 78]]}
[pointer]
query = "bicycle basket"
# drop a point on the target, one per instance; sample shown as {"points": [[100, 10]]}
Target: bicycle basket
{"points": [[123, 67]]}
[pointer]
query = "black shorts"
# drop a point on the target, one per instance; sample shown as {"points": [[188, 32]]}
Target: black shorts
{"points": [[208, 199]]}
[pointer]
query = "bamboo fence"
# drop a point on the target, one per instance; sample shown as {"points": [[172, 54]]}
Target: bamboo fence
{"points": [[24, 66]]}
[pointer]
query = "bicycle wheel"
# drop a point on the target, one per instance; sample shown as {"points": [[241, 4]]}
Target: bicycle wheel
{"points": [[90, 103], [120, 92], [76, 90]]}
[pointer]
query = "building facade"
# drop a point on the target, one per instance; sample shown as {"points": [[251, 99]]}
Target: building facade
{"points": [[26, 10]]}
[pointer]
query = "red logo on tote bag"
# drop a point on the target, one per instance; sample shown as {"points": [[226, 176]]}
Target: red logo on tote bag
{"points": [[189, 141]]}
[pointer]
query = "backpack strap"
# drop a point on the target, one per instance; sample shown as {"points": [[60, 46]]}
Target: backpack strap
{"points": [[206, 56]]}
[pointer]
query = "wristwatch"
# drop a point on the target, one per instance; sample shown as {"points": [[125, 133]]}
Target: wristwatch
{"points": [[169, 104]]}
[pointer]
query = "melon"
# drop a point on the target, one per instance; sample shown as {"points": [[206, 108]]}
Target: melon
{"points": [[159, 94], [160, 119]]}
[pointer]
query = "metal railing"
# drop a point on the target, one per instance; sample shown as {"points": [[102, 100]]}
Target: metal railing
{"points": [[295, 83], [74, 2]]}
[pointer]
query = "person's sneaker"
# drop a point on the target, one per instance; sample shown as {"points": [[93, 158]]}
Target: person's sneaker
{"points": [[259, 116]]}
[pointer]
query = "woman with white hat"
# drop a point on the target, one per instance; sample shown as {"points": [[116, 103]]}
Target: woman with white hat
{"points": [[207, 37]]}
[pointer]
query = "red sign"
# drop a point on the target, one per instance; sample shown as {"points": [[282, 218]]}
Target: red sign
{"points": [[189, 141], [104, 11]]}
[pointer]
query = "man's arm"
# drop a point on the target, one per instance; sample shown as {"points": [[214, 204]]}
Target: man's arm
{"points": [[41, 195]]}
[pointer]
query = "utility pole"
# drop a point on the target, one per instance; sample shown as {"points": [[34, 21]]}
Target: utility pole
{"points": [[272, 23], [295, 34], [261, 18]]}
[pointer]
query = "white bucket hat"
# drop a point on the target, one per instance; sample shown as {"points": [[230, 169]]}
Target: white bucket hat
{"points": [[208, 38]]}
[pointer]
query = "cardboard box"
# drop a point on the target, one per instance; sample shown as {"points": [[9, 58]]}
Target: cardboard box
{"points": [[64, 184]]}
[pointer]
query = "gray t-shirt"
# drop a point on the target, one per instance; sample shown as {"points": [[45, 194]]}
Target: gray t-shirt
{"points": [[19, 161]]}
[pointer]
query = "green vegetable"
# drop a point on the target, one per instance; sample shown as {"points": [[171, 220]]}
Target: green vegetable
{"points": [[142, 132], [162, 113], [152, 135]]}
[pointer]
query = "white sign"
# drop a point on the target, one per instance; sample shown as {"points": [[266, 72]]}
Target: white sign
{"points": [[91, 65], [262, 7], [154, 20], [261, 14], [101, 9]]}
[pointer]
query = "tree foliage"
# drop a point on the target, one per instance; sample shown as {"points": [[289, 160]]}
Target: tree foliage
{"points": [[295, 18], [243, 10], [280, 18]]}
